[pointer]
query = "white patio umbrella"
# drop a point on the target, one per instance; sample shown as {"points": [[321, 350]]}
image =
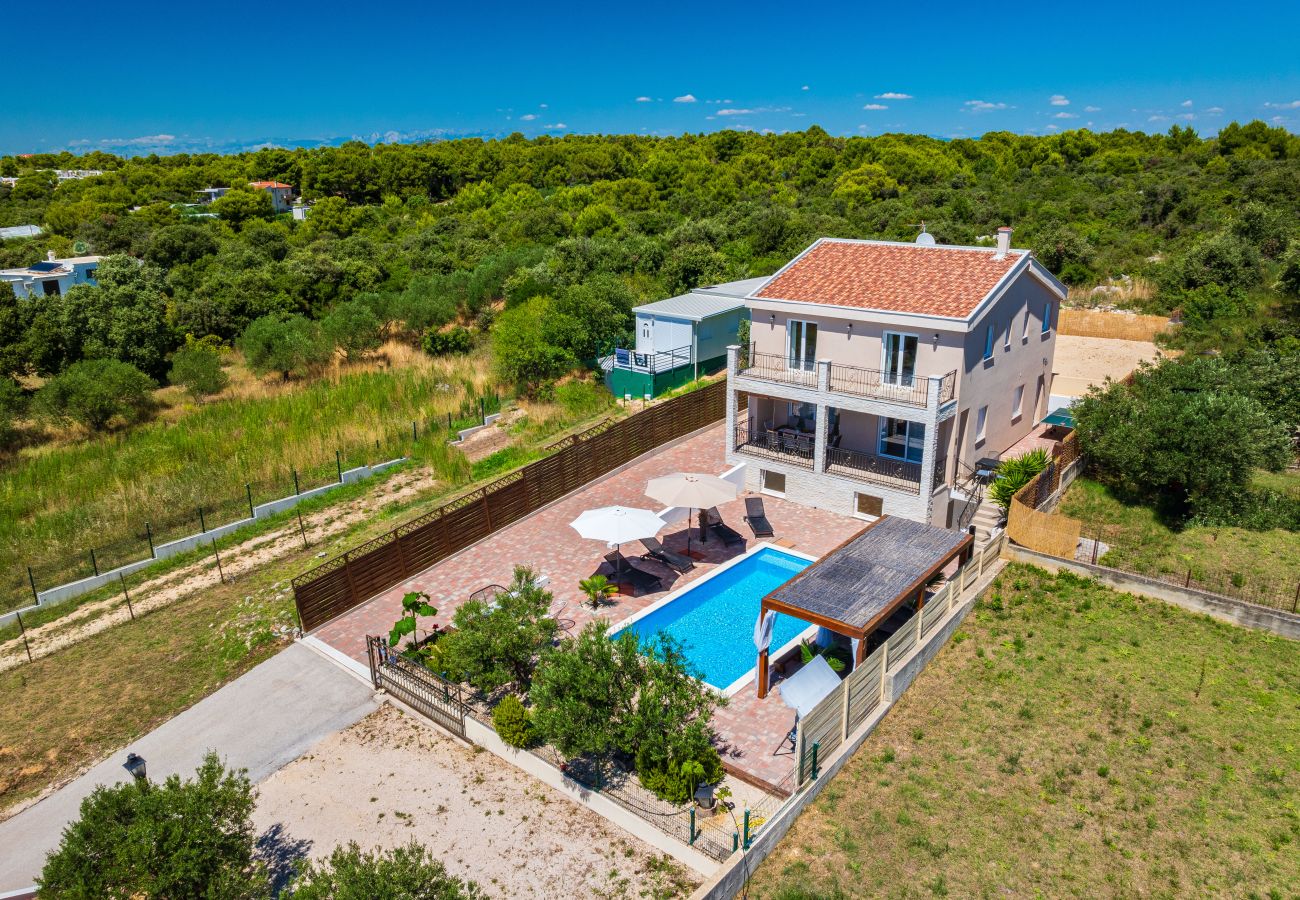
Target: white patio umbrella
{"points": [[763, 630], [692, 490], [616, 524]]}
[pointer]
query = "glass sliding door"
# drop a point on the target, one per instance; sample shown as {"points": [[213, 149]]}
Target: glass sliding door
{"points": [[802, 340], [901, 439], [900, 359]]}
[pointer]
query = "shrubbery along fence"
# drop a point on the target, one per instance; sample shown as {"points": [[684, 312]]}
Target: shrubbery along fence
{"points": [[346, 581]]}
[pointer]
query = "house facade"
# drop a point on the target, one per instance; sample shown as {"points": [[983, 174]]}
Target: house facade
{"points": [[881, 376], [281, 194], [51, 277]]}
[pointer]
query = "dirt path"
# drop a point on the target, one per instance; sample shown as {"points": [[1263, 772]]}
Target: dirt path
{"points": [[388, 780], [92, 618]]}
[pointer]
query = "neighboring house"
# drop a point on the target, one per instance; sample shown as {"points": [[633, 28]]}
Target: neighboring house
{"points": [[14, 232], [54, 276], [281, 194], [678, 339], [881, 375], [207, 195], [300, 211]]}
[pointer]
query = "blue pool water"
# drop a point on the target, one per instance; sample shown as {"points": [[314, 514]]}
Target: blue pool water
{"points": [[715, 620]]}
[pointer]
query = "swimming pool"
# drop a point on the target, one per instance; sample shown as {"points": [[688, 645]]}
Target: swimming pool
{"points": [[714, 617]]}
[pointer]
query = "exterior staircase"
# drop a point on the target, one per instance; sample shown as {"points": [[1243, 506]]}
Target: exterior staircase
{"points": [[985, 520]]}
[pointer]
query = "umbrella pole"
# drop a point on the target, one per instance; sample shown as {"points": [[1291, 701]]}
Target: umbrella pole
{"points": [[689, 520]]}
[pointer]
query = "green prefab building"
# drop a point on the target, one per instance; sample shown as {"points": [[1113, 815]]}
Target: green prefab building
{"points": [[678, 340]]}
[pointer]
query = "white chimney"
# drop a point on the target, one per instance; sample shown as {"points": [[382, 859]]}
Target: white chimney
{"points": [[50, 255], [1004, 242]]}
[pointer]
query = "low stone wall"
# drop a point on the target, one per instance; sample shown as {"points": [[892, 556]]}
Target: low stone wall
{"points": [[1235, 612], [65, 592]]}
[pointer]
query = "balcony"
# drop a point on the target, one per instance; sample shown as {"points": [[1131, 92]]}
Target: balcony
{"points": [[854, 381], [862, 465], [784, 446]]}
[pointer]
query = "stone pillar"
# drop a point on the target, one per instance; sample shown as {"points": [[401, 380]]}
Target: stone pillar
{"points": [[823, 417], [930, 456], [733, 354]]}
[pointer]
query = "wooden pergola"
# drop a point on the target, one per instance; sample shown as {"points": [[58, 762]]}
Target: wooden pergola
{"points": [[863, 581]]}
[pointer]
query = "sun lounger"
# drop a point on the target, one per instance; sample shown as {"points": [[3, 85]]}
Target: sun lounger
{"points": [[679, 562], [756, 516], [631, 570], [728, 534]]}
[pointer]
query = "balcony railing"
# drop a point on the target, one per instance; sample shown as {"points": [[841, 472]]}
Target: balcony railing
{"points": [[899, 474], [908, 390], [940, 469], [788, 447], [779, 368]]}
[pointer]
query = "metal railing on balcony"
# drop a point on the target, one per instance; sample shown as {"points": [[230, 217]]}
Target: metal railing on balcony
{"points": [[778, 367], [784, 445], [909, 390], [871, 467], [650, 363], [940, 472]]}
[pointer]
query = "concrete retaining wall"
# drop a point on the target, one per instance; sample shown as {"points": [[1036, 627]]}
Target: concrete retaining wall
{"points": [[1235, 612], [64, 592], [466, 432]]}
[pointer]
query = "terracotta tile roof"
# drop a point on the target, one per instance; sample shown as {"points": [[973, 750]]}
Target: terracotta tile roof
{"points": [[268, 184], [936, 281]]}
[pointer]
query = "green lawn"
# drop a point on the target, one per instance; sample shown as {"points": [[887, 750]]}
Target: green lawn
{"points": [[1229, 559], [1070, 741]]}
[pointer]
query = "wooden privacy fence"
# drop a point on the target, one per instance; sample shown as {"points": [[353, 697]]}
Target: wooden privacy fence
{"points": [[829, 725], [1102, 324], [344, 582], [1029, 520]]}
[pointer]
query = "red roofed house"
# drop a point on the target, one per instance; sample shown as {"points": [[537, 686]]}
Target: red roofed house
{"points": [[881, 374], [281, 194]]}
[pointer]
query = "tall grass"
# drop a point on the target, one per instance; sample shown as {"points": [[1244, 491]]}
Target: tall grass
{"points": [[59, 502]]}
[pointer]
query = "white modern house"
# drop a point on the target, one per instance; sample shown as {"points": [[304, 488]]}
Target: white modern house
{"points": [[882, 375], [281, 194], [51, 277]]}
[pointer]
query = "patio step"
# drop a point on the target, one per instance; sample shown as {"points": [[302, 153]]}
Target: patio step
{"points": [[985, 520]]}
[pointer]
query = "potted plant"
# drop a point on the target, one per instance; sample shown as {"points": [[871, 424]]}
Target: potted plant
{"points": [[597, 588]]}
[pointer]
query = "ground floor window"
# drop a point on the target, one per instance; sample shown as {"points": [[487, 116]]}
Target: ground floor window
{"points": [[866, 506], [902, 439], [773, 482]]}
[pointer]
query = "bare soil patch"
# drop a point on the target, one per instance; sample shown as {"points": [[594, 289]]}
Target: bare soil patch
{"points": [[1082, 362], [390, 779]]}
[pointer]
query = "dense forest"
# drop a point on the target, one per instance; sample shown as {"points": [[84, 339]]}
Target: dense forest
{"points": [[543, 246]]}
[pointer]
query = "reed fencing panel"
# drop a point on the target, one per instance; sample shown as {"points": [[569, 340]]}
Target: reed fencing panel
{"points": [[345, 582]]}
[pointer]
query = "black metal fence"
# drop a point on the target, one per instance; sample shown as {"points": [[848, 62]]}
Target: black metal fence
{"points": [[445, 702]]}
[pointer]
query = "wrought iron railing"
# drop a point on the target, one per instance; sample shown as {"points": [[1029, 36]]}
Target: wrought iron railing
{"points": [[895, 473], [913, 390], [940, 473], [650, 363], [445, 702], [783, 446], [779, 367]]}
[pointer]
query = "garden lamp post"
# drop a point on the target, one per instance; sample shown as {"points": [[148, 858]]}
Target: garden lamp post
{"points": [[135, 764]]}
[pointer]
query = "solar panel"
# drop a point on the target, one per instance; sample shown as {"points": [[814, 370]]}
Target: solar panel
{"points": [[45, 266]]}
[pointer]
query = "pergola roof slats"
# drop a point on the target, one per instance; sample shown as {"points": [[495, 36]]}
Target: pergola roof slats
{"points": [[863, 580]]}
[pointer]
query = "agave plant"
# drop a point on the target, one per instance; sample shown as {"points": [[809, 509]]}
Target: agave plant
{"points": [[1013, 474]]}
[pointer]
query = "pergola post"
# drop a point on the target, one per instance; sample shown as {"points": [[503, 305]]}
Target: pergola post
{"points": [[762, 674]]}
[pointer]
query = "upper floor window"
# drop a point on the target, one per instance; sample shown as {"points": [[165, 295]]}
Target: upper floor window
{"points": [[899, 363], [801, 344], [1024, 332], [1047, 317], [988, 342], [981, 423], [1010, 324], [1017, 404]]}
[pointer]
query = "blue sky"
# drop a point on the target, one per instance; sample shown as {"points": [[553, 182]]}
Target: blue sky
{"points": [[188, 76]]}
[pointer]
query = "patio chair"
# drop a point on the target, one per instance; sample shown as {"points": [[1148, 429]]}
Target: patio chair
{"points": [[756, 517], [678, 562], [626, 568], [728, 534]]}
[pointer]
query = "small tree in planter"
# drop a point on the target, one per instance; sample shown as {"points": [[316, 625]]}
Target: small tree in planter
{"points": [[597, 588], [413, 604]]}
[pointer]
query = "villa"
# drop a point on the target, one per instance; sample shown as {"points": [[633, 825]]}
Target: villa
{"points": [[881, 376]]}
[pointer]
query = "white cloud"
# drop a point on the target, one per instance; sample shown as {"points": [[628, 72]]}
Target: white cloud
{"points": [[544, 105], [684, 98], [528, 118], [893, 95], [558, 126], [1065, 115], [1059, 100], [804, 88], [1157, 118], [1278, 120], [1214, 111], [643, 100], [148, 140], [875, 106], [731, 111], [1092, 109], [1186, 104], [1294, 104], [1188, 116], [983, 106]]}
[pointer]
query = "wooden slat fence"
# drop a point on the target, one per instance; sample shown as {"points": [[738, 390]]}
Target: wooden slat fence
{"points": [[348, 580]]}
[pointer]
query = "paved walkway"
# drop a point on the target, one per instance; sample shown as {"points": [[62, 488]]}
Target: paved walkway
{"points": [[260, 721]]}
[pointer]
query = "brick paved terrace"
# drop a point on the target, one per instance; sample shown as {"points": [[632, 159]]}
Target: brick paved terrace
{"points": [[750, 729]]}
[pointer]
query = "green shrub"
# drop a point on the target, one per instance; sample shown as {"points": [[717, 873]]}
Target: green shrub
{"points": [[676, 780], [92, 392], [513, 722], [197, 368], [445, 343], [1015, 473]]}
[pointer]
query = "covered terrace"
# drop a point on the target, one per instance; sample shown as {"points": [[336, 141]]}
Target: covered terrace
{"points": [[863, 583]]}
